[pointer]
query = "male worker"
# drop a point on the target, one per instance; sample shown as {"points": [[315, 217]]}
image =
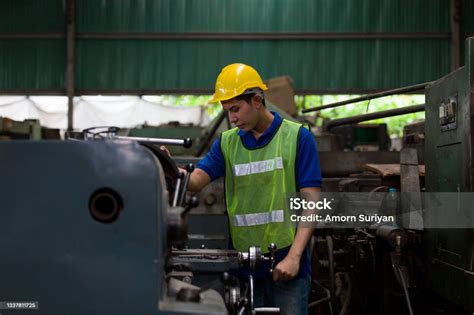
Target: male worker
{"points": [[262, 160]]}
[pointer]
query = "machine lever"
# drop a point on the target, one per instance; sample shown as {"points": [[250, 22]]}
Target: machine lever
{"points": [[272, 248], [184, 187], [187, 143], [177, 190]]}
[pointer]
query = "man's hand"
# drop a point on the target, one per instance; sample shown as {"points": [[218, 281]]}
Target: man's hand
{"points": [[163, 148], [198, 178], [287, 269]]}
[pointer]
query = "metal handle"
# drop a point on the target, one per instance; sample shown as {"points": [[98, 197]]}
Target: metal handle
{"points": [[272, 248], [184, 188], [177, 190], [187, 143]]}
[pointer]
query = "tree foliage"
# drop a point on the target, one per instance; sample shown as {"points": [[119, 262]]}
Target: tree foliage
{"points": [[395, 124]]}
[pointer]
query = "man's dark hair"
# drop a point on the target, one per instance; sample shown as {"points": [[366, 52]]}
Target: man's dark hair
{"points": [[248, 97]]}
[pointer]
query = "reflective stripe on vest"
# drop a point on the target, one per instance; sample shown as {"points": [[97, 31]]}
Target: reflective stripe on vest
{"points": [[258, 218], [258, 167]]}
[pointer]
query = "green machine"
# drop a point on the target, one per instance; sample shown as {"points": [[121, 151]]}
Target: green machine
{"points": [[449, 156], [28, 129]]}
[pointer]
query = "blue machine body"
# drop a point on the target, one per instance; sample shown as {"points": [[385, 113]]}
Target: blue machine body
{"points": [[54, 252]]}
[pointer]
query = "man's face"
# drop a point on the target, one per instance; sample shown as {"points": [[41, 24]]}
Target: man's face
{"points": [[242, 114]]}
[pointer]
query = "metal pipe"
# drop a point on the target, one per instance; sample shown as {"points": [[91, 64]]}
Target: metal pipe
{"points": [[233, 35], [347, 299], [205, 252], [331, 271], [177, 191], [455, 33], [251, 297], [185, 184], [138, 91], [266, 35], [23, 35], [467, 272], [318, 302], [211, 133], [128, 91], [367, 97], [70, 61], [383, 114], [322, 300], [184, 142], [405, 289]]}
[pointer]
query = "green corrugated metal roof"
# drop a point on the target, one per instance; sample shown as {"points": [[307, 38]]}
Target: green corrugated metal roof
{"points": [[330, 65], [32, 16], [32, 64], [263, 16], [335, 65]]}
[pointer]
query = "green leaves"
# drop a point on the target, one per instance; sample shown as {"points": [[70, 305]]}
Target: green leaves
{"points": [[395, 124]]}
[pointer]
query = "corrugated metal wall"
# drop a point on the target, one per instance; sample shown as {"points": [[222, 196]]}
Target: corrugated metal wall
{"points": [[467, 17], [262, 16], [32, 63], [318, 61]]}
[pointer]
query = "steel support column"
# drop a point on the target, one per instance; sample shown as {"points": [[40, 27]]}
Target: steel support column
{"points": [[70, 60], [455, 34]]}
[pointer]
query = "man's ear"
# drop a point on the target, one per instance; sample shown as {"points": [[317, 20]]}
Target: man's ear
{"points": [[258, 101]]}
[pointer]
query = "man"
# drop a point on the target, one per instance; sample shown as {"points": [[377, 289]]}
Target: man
{"points": [[264, 158]]}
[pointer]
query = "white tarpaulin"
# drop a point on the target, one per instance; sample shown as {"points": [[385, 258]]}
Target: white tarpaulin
{"points": [[93, 111]]}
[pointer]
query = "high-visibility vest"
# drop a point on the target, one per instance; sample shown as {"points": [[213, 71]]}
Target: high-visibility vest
{"points": [[257, 182]]}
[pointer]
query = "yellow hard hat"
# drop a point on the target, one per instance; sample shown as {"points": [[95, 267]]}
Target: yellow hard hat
{"points": [[234, 80]]}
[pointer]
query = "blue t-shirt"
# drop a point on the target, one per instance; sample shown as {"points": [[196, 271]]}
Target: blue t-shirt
{"points": [[308, 172]]}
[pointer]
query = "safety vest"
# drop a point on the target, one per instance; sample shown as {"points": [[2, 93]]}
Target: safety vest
{"points": [[256, 183]]}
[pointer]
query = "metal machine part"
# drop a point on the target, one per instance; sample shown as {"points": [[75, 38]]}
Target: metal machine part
{"points": [[412, 88], [252, 257], [238, 300], [414, 137], [449, 161], [110, 133], [28, 129], [184, 187], [114, 265], [105, 229], [187, 143], [232, 295], [363, 137], [388, 113], [218, 260], [393, 235], [105, 205]]}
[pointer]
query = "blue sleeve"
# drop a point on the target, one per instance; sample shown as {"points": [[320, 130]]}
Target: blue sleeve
{"points": [[308, 172], [213, 162]]}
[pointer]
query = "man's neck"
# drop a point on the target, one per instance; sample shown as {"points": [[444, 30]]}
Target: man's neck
{"points": [[263, 124]]}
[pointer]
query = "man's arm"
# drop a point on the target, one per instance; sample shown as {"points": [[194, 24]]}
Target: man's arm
{"points": [[209, 168], [309, 181], [198, 180], [288, 268]]}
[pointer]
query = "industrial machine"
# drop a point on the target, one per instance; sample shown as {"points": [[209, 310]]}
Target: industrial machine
{"points": [[449, 168], [104, 224], [28, 129], [103, 231]]}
